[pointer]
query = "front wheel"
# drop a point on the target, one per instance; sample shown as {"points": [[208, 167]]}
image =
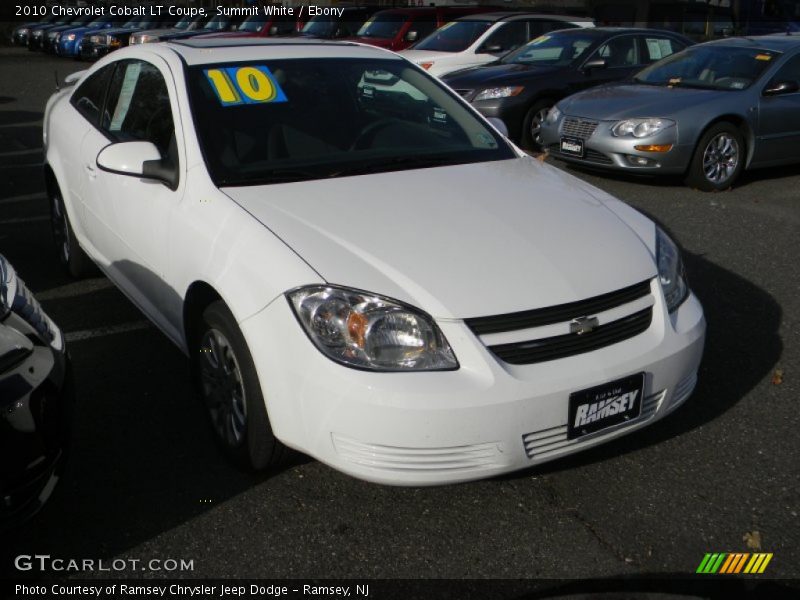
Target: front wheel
{"points": [[226, 380], [532, 125], [718, 159]]}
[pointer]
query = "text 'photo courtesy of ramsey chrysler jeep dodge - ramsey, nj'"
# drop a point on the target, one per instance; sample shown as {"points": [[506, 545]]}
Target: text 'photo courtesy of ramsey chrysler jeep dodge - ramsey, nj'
{"points": [[381, 280]]}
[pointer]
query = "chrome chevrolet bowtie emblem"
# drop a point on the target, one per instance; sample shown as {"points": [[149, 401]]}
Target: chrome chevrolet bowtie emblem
{"points": [[583, 325]]}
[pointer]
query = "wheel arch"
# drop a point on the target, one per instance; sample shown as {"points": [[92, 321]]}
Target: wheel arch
{"points": [[744, 127], [198, 297]]}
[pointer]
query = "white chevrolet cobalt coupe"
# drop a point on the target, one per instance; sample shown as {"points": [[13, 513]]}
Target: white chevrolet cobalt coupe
{"points": [[360, 266]]}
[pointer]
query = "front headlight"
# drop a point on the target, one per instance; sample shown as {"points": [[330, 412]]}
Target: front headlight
{"points": [[366, 331], [23, 31], [499, 92], [70, 37], [641, 128], [38, 33], [553, 116], [670, 270], [113, 42]]}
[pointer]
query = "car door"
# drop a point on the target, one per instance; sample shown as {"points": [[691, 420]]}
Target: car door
{"points": [[141, 106], [779, 118], [88, 100]]}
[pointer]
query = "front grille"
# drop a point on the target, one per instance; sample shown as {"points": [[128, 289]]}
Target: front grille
{"points": [[557, 314], [561, 346], [590, 155], [548, 442], [578, 128]]}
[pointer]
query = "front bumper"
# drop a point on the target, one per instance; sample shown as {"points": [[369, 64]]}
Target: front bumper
{"points": [[602, 150], [487, 418]]}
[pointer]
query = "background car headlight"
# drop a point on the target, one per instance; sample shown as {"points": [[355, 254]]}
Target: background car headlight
{"points": [[113, 42], [499, 92], [670, 270], [640, 128], [23, 31], [70, 37], [366, 331], [553, 116]]}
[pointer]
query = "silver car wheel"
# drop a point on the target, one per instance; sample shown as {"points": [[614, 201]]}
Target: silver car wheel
{"points": [[222, 387], [536, 125], [720, 158]]}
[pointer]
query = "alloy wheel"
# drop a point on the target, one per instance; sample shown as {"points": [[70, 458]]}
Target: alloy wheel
{"points": [[720, 158], [222, 387], [536, 125]]}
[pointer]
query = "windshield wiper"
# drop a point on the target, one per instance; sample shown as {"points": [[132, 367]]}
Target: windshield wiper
{"points": [[396, 163]]}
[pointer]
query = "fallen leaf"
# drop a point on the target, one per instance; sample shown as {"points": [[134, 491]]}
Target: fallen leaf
{"points": [[777, 377], [541, 157], [753, 540]]}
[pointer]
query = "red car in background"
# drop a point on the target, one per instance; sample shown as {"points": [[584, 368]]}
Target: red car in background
{"points": [[397, 28], [267, 26]]}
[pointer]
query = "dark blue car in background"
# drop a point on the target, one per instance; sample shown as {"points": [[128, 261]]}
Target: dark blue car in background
{"points": [[69, 44]]}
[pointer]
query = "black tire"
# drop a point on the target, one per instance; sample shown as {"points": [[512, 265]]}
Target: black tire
{"points": [[70, 254], [531, 125], [225, 379], [718, 159]]}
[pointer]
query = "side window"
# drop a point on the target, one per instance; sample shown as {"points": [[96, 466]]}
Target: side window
{"points": [[656, 48], [507, 37], [619, 52], [540, 27], [423, 28], [88, 98], [138, 107], [790, 71]]}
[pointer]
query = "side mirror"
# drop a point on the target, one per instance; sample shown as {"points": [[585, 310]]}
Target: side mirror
{"points": [[411, 36], [499, 125], [138, 159], [595, 63], [777, 88]]}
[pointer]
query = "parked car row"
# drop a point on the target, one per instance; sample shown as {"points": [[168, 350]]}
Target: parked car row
{"points": [[480, 39]]}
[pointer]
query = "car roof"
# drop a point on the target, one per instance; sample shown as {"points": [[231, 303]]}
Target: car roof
{"points": [[516, 15], [197, 51], [777, 42]]}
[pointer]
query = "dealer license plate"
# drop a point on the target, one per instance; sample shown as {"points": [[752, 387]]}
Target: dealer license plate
{"points": [[604, 406], [572, 147]]}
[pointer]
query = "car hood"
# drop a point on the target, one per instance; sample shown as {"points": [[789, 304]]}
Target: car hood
{"points": [[372, 41], [459, 241], [497, 74], [418, 56], [625, 101]]}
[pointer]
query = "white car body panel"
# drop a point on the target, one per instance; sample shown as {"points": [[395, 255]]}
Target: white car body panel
{"points": [[461, 241], [496, 248]]}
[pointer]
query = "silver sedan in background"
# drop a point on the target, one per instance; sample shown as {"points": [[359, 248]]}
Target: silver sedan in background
{"points": [[707, 113]]}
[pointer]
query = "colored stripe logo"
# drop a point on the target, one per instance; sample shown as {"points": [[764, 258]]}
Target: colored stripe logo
{"points": [[727, 563]]}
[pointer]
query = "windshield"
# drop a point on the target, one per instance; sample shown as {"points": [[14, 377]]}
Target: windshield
{"points": [[710, 67], [383, 27], [253, 24], [378, 115], [559, 49], [218, 23], [455, 36], [320, 26]]}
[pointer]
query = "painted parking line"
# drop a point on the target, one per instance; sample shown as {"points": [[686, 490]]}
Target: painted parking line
{"points": [[88, 334], [73, 290], [23, 198], [24, 220]]}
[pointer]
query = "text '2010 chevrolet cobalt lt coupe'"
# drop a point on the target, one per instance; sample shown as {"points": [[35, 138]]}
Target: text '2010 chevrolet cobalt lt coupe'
{"points": [[360, 267]]}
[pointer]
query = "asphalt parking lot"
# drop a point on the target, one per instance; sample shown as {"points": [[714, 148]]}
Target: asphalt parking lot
{"points": [[146, 481]]}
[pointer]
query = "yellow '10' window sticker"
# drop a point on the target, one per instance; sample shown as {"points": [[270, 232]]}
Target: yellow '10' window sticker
{"points": [[763, 57], [245, 85]]}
